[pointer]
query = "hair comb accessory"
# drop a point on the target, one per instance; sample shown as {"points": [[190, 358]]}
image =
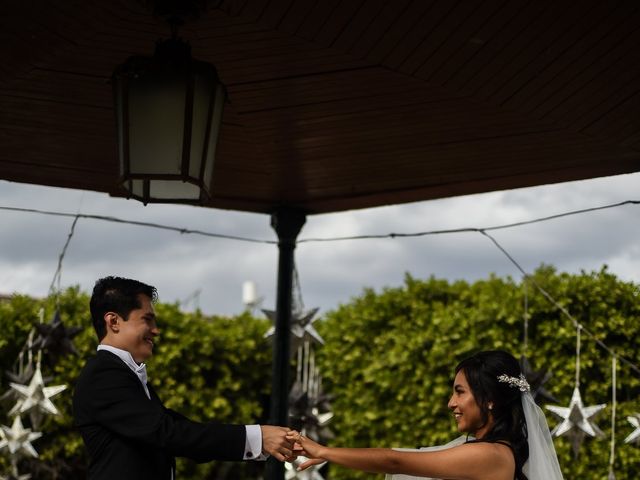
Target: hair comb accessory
{"points": [[517, 382]]}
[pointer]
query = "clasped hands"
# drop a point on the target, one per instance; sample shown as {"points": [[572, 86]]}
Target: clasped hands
{"points": [[286, 445]]}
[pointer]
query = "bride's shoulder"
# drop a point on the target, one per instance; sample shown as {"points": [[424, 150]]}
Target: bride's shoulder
{"points": [[489, 451], [489, 459]]}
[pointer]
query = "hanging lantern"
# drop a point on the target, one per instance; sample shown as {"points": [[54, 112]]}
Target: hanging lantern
{"points": [[169, 114]]}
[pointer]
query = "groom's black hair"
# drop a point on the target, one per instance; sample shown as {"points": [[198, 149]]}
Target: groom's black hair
{"points": [[119, 295], [509, 424]]}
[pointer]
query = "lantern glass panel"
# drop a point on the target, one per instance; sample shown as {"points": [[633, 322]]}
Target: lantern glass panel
{"points": [[136, 188], [216, 124], [121, 126], [156, 120], [203, 89], [171, 189]]}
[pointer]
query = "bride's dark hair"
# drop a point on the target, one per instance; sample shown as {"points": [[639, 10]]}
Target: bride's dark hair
{"points": [[481, 371]]}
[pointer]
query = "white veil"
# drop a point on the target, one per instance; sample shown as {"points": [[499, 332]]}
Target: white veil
{"points": [[543, 461]]}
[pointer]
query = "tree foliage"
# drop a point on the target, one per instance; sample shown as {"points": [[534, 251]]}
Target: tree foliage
{"points": [[208, 368], [388, 362], [389, 358]]}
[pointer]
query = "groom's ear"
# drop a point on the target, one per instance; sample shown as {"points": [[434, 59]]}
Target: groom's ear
{"points": [[111, 322]]}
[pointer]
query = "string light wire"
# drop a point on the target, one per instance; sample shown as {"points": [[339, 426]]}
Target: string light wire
{"points": [[473, 229], [160, 226], [483, 231], [612, 454], [525, 334], [322, 239], [553, 301], [578, 355], [53, 288]]}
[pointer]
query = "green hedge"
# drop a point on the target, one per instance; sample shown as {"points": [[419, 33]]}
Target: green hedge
{"points": [[388, 362], [389, 358], [204, 367]]}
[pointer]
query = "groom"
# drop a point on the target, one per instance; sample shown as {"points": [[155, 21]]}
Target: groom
{"points": [[128, 432]]}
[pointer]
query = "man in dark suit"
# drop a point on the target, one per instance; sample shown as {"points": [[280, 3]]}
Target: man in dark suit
{"points": [[128, 432]]}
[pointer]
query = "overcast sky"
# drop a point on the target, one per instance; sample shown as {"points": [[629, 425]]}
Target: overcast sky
{"points": [[330, 273]]}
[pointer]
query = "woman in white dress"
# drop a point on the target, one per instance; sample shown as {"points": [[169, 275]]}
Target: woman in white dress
{"points": [[491, 402]]}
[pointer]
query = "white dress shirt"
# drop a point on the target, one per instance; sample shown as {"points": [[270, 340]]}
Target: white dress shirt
{"points": [[253, 438]]}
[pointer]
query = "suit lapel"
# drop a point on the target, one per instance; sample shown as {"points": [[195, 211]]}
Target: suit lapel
{"points": [[113, 358], [154, 395]]}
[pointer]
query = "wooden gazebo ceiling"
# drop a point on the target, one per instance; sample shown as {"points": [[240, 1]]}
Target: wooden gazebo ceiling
{"points": [[340, 104]]}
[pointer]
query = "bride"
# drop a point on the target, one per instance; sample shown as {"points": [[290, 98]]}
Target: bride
{"points": [[490, 401]]}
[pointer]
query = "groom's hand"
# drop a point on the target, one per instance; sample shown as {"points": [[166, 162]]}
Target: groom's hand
{"points": [[275, 442]]}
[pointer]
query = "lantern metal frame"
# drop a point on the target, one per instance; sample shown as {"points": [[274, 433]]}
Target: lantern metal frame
{"points": [[171, 64]]}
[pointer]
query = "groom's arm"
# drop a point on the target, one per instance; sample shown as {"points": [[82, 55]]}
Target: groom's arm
{"points": [[119, 405], [260, 440]]}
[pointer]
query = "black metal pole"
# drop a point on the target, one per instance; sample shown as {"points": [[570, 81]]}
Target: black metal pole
{"points": [[287, 224]]}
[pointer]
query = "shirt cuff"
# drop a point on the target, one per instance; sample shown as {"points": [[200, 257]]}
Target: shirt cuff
{"points": [[253, 443]]}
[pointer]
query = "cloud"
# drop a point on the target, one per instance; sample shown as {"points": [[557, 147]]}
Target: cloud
{"points": [[330, 273]]}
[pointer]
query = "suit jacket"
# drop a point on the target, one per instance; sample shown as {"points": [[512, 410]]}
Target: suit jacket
{"points": [[131, 437]]}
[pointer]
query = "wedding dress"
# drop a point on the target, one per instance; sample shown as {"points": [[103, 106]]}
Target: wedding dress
{"points": [[454, 443]]}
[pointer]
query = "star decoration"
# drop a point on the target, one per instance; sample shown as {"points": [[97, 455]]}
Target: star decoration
{"points": [[16, 477], [310, 414], [302, 328], [536, 380], [55, 339], [634, 437], [311, 473], [35, 398], [17, 439], [21, 378], [576, 420]]}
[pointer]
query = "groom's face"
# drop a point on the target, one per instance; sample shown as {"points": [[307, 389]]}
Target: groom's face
{"points": [[137, 333]]}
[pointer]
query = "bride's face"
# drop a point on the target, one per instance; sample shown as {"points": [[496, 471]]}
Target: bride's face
{"points": [[465, 408]]}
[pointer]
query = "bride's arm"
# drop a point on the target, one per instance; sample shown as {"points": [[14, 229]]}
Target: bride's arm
{"points": [[466, 462]]}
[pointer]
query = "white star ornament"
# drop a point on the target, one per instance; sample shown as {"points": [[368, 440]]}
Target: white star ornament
{"points": [[577, 420], [26, 476], [17, 439], [302, 328], [634, 437], [35, 398]]}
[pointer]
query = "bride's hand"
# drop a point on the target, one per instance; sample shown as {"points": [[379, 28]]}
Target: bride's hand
{"points": [[309, 463], [308, 448]]}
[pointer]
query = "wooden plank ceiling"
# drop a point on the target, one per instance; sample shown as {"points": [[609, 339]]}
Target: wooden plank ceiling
{"points": [[340, 104]]}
